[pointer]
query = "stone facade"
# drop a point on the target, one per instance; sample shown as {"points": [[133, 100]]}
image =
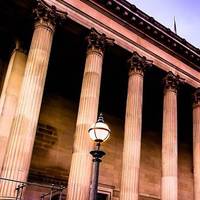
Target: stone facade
{"points": [[77, 67]]}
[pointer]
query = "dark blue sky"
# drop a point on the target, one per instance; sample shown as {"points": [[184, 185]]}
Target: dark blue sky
{"points": [[186, 12]]}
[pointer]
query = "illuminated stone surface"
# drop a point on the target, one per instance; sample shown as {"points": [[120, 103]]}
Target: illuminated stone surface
{"points": [[196, 144], [9, 96], [80, 171], [19, 151], [169, 190], [133, 128]]}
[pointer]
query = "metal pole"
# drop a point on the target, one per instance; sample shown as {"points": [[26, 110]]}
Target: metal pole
{"points": [[97, 154], [18, 192], [29, 183], [22, 188], [21, 192], [51, 193], [61, 191]]}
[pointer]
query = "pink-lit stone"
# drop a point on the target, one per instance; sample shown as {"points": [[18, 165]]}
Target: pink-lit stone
{"points": [[157, 55], [169, 188], [196, 144], [9, 96], [18, 155], [81, 164], [132, 133]]}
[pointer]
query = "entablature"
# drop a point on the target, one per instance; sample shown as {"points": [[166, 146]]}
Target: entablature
{"points": [[133, 18], [83, 13]]}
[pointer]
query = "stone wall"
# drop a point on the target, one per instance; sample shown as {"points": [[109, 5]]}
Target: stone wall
{"points": [[53, 147]]}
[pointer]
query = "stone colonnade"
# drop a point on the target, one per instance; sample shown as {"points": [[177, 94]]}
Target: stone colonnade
{"points": [[20, 111]]}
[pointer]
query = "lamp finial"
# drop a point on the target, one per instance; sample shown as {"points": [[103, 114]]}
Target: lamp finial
{"points": [[100, 118]]}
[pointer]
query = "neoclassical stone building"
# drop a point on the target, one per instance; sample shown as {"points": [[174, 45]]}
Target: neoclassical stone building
{"points": [[64, 61]]}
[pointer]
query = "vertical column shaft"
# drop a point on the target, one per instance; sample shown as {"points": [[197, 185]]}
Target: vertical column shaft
{"points": [[9, 97], [133, 128], [196, 144], [81, 164], [18, 155], [80, 172], [132, 139], [169, 139]]}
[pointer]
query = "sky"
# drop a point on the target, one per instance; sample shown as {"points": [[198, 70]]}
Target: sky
{"points": [[186, 12]]}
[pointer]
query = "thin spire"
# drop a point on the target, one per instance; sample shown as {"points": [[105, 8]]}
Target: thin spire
{"points": [[175, 30]]}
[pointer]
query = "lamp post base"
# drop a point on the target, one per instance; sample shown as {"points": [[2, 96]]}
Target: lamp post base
{"points": [[97, 155]]}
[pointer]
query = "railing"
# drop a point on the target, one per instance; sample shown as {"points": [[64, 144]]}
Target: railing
{"points": [[24, 191]]}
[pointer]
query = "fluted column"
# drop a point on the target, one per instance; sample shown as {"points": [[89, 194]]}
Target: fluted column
{"points": [[18, 155], [133, 126], [81, 164], [196, 143], [9, 96], [169, 189]]}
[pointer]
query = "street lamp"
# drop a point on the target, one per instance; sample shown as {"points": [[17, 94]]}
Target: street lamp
{"points": [[99, 132]]}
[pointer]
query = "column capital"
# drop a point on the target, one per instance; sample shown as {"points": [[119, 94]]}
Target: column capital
{"points": [[172, 81], [138, 64], [97, 41], [196, 97], [47, 15]]}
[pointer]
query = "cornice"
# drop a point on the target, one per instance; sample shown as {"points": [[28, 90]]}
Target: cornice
{"points": [[123, 11], [64, 3]]}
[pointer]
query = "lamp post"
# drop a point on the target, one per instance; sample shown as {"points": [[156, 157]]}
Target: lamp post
{"points": [[99, 132]]}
